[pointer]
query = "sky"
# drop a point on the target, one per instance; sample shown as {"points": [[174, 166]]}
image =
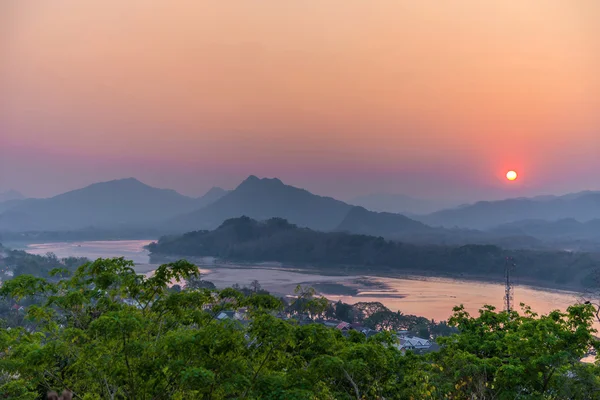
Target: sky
{"points": [[342, 97]]}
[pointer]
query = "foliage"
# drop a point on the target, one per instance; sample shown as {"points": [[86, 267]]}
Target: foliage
{"points": [[20, 262], [517, 356], [105, 332]]}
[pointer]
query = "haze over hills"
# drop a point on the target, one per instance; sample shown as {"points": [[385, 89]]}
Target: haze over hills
{"points": [[118, 203], [211, 196], [262, 199], [584, 206], [567, 228], [360, 220], [131, 207], [10, 195], [245, 239], [398, 203]]}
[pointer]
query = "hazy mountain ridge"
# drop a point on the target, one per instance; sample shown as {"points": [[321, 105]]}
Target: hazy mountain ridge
{"points": [[122, 202], [10, 195], [362, 221], [584, 206], [568, 228], [398, 204], [131, 206], [263, 199]]}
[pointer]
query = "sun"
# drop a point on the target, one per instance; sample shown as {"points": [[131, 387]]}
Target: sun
{"points": [[511, 175]]}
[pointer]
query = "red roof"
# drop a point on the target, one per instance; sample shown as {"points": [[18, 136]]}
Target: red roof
{"points": [[343, 325]]}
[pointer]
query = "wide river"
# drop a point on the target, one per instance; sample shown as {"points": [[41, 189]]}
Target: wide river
{"points": [[428, 297]]}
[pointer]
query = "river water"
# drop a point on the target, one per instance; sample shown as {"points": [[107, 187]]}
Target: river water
{"points": [[429, 297]]}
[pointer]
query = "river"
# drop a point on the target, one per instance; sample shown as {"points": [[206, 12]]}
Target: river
{"points": [[429, 297]]}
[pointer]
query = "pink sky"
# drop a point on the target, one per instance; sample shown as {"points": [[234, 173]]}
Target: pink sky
{"points": [[427, 98]]}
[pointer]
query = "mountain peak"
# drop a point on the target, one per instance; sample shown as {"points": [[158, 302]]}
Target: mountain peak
{"points": [[215, 191], [254, 181]]}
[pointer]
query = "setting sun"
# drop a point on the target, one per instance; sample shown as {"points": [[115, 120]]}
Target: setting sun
{"points": [[511, 175]]}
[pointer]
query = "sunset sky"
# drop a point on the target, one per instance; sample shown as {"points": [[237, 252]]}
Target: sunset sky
{"points": [[342, 97]]}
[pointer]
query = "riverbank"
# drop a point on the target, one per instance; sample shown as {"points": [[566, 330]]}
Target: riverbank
{"points": [[432, 297], [382, 272]]}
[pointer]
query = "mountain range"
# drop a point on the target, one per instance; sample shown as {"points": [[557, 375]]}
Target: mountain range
{"points": [[583, 207], [118, 203], [399, 204], [262, 199], [10, 195], [566, 221]]}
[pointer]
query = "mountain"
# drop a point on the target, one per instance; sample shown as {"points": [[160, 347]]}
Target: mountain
{"points": [[10, 195], [563, 229], [263, 199], [363, 221], [584, 206], [211, 196], [397, 203], [399, 227], [118, 203], [8, 204]]}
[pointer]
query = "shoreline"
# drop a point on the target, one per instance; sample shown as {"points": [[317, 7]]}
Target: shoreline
{"points": [[406, 274]]}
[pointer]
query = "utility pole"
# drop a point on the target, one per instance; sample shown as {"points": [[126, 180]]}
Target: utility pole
{"points": [[508, 289]]}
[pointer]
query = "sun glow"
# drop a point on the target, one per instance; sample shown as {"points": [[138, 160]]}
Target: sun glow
{"points": [[511, 175]]}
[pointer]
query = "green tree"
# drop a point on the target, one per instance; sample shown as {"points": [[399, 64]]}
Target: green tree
{"points": [[512, 356]]}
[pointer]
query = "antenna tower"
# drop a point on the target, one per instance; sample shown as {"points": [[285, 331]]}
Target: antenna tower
{"points": [[508, 289]]}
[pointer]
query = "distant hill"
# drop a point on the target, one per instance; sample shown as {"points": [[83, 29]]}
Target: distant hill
{"points": [[10, 195], [8, 204], [211, 196], [263, 199], [582, 207], [563, 229], [247, 240], [363, 221], [118, 203], [402, 228], [397, 203]]}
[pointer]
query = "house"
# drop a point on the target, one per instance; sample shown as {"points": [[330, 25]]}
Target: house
{"points": [[368, 332], [331, 324], [223, 315], [17, 308], [413, 343], [343, 326]]}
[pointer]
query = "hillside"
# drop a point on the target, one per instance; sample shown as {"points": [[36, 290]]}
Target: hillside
{"points": [[118, 203], [247, 240], [262, 199], [10, 195], [211, 196], [362, 221], [397, 203], [582, 207], [568, 228]]}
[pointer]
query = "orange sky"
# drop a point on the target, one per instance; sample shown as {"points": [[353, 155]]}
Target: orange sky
{"points": [[366, 95]]}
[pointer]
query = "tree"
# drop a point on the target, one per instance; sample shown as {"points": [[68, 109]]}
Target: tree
{"points": [[511, 355], [255, 286], [196, 282], [105, 332]]}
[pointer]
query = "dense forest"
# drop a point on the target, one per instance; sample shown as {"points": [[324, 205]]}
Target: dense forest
{"points": [[244, 239], [105, 332]]}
